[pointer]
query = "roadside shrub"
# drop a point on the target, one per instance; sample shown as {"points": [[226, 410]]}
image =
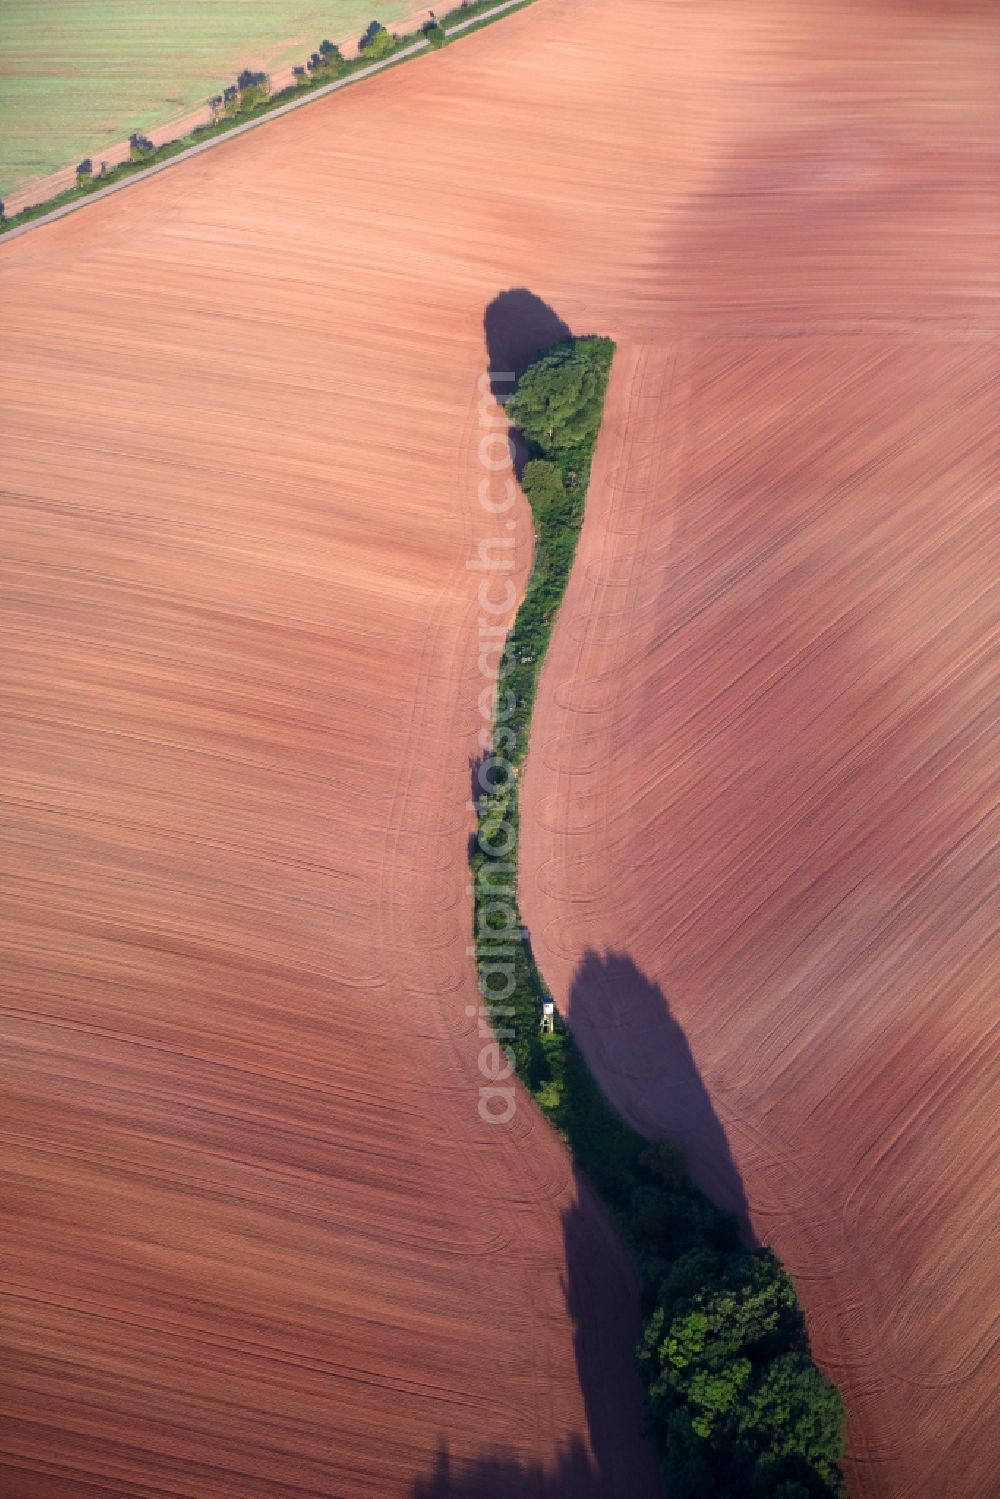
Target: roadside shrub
{"points": [[140, 147], [253, 89], [376, 42], [326, 62], [434, 33]]}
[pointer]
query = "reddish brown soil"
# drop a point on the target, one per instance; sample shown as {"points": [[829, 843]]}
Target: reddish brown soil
{"points": [[259, 1242], [764, 778]]}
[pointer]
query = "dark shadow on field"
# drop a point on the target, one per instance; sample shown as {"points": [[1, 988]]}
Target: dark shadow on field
{"points": [[624, 1024], [602, 1297], [518, 326], [602, 1290], [502, 1476]]}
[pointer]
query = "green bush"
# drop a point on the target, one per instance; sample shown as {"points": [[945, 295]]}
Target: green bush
{"points": [[543, 484], [325, 64], [253, 89], [140, 147], [559, 400], [376, 43]]}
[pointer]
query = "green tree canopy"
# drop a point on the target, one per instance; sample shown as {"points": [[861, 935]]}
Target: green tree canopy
{"points": [[376, 42], [730, 1384], [789, 1428], [543, 483], [559, 398]]}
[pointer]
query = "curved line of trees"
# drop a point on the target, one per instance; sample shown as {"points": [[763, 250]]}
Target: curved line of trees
{"points": [[734, 1402]]}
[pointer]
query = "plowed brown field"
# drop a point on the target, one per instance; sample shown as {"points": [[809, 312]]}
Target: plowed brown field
{"points": [[260, 1244], [764, 774]]}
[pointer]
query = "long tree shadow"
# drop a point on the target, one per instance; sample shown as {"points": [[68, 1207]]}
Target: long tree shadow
{"points": [[625, 1027], [601, 1291]]}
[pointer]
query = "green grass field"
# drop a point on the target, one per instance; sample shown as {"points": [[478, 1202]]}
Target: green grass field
{"points": [[78, 75]]}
